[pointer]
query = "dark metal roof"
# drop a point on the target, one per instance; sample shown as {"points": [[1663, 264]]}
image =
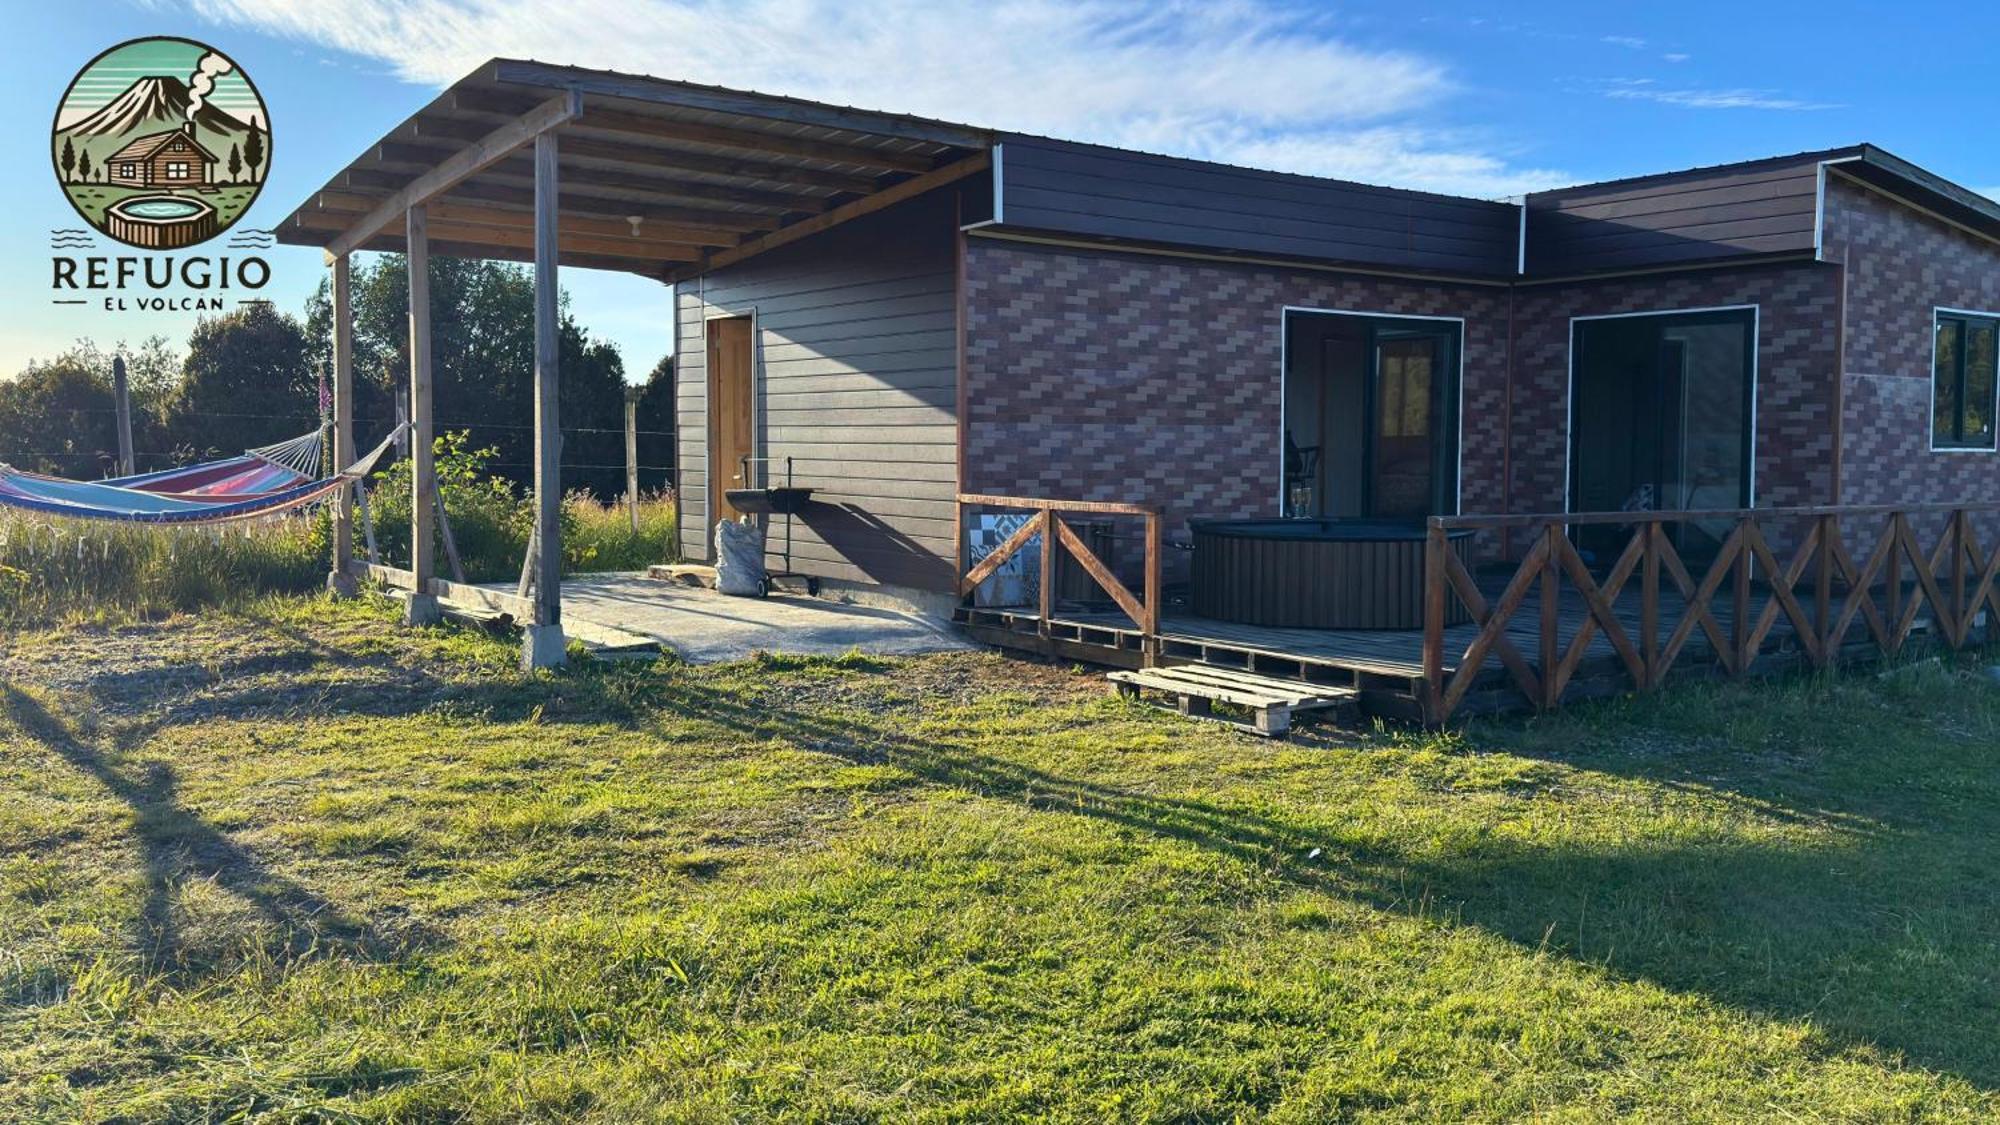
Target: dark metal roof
{"points": [[669, 179]]}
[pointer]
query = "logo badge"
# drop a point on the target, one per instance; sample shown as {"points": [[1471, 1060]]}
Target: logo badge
{"points": [[161, 143]]}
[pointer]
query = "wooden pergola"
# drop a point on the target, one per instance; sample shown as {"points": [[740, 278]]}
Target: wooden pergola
{"points": [[530, 162]]}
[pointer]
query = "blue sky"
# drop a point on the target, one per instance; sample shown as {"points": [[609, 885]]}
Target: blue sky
{"points": [[1446, 96]]}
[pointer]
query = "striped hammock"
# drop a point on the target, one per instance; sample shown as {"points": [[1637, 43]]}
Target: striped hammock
{"points": [[263, 481]]}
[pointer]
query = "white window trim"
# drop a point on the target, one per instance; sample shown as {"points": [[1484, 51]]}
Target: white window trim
{"points": [[1938, 312], [1569, 397], [1284, 378]]}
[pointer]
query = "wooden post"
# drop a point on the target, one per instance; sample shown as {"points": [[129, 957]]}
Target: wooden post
{"points": [[1434, 605], [1153, 561], [122, 389], [1894, 577], [1961, 628], [1551, 625], [1739, 626], [1649, 606], [340, 581], [422, 606], [542, 640], [1823, 591], [1048, 575], [632, 454]]}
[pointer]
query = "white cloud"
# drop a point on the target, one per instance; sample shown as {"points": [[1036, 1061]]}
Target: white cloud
{"points": [[1631, 41], [1645, 89], [1244, 81], [1676, 57]]}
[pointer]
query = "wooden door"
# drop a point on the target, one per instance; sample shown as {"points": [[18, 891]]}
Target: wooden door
{"points": [[731, 406]]}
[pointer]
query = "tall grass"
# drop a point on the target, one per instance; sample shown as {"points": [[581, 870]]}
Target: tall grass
{"points": [[58, 569]]}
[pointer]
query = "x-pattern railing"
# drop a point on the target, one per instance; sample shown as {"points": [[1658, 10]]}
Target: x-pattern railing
{"points": [[1055, 534], [1956, 579]]}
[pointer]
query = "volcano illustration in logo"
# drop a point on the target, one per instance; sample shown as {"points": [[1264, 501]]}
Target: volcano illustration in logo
{"points": [[161, 143]]}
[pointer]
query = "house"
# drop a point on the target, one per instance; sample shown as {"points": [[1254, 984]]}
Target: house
{"points": [[932, 322], [168, 159]]}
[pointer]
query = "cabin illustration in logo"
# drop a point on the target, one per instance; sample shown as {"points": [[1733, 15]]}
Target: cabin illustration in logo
{"points": [[161, 143], [169, 159]]}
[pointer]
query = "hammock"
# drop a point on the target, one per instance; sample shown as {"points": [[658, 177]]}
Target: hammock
{"points": [[262, 481]]}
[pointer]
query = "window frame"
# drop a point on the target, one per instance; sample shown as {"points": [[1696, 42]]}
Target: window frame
{"points": [[177, 169], [1954, 442]]}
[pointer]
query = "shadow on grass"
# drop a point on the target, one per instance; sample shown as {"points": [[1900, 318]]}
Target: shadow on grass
{"points": [[1883, 936], [1878, 928], [176, 845]]}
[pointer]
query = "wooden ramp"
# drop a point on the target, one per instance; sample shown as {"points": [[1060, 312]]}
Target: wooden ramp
{"points": [[1270, 701]]}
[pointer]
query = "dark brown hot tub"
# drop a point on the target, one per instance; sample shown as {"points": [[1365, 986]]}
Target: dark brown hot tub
{"points": [[1316, 574]]}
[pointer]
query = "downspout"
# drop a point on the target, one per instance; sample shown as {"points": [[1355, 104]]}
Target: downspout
{"points": [[1507, 435]]}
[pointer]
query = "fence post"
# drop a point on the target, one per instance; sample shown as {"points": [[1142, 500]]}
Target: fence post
{"points": [[1894, 577], [1435, 545], [632, 453], [1823, 591], [1152, 623], [1048, 595], [1551, 625], [1649, 606], [1739, 624], [1960, 627]]}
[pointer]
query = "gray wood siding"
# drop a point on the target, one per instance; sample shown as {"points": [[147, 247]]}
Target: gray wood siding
{"points": [[1768, 207], [857, 380], [1088, 191]]}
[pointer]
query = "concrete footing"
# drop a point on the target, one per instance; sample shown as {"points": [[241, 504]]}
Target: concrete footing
{"points": [[420, 609], [341, 585], [543, 646]]}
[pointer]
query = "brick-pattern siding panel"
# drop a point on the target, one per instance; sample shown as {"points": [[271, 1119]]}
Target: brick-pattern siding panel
{"points": [[1797, 356], [1901, 265], [1107, 376]]}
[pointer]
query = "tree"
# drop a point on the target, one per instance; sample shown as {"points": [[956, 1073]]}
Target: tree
{"points": [[482, 366], [235, 163], [253, 148], [247, 381], [658, 440], [57, 417], [68, 158], [83, 166]]}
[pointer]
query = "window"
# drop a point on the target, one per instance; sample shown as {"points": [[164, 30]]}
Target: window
{"points": [[177, 169], [128, 170], [1964, 379]]}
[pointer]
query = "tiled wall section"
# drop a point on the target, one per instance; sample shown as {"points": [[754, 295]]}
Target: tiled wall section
{"points": [[1901, 265], [1797, 356], [1105, 376]]}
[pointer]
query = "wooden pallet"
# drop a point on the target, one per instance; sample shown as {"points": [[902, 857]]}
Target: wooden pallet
{"points": [[1270, 701]]}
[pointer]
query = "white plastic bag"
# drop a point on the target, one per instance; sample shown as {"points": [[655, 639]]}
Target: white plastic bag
{"points": [[739, 558]]}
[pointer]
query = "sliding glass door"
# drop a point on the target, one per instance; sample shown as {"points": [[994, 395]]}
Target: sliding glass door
{"points": [[1660, 418]]}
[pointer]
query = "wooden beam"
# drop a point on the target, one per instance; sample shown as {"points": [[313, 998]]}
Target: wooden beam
{"points": [[446, 210], [791, 111], [492, 147], [343, 422], [423, 478], [650, 179], [574, 203], [521, 236], [548, 432], [605, 119], [626, 151], [866, 205]]}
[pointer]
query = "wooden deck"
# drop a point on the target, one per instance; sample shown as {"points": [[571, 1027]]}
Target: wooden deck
{"points": [[1384, 666]]}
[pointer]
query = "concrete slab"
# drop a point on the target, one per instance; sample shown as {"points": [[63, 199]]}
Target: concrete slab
{"points": [[706, 627]]}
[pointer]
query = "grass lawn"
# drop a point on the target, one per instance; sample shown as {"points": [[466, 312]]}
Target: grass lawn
{"points": [[296, 860]]}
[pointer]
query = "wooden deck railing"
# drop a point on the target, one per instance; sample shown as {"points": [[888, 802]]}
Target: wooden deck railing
{"points": [[1056, 534], [1956, 579]]}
